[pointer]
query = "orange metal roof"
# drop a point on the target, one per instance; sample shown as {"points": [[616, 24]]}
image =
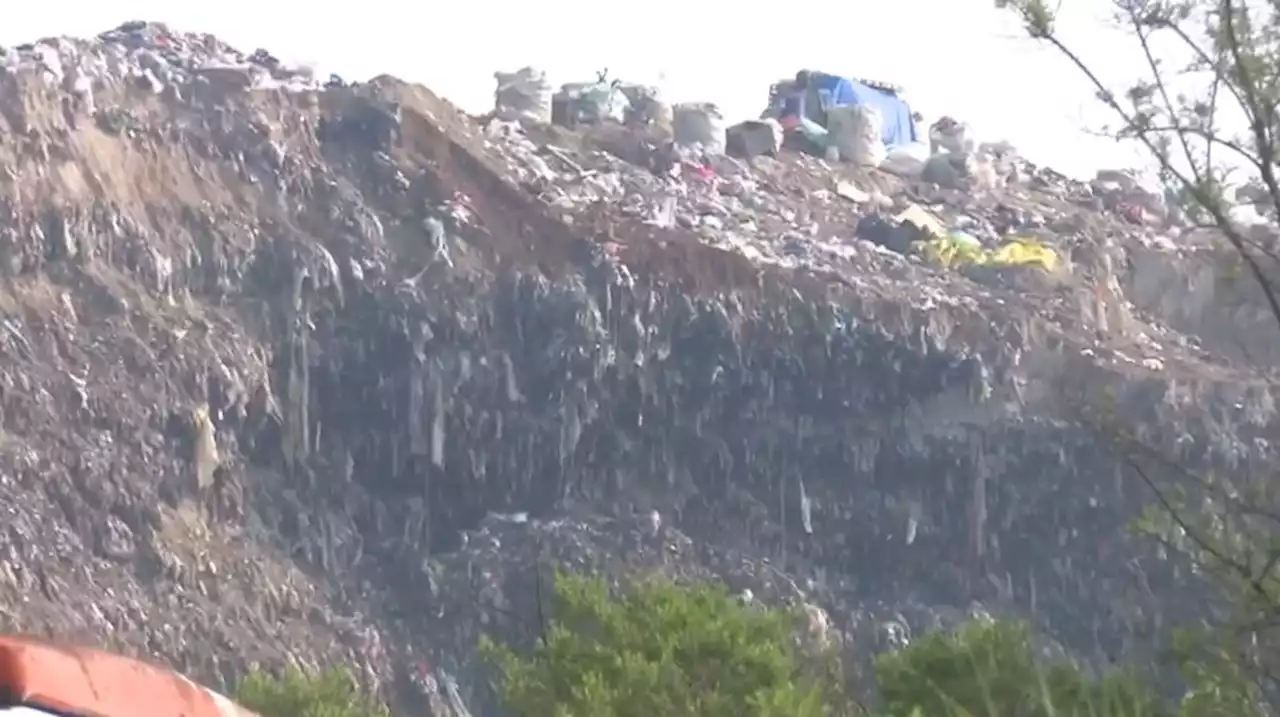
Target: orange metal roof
{"points": [[91, 683]]}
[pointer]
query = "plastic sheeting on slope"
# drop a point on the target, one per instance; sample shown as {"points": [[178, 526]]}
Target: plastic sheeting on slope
{"points": [[959, 249]]}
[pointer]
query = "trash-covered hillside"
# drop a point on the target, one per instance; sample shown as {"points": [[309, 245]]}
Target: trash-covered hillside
{"points": [[303, 369]]}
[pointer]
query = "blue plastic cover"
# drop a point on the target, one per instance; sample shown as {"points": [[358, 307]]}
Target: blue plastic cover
{"points": [[899, 128]]}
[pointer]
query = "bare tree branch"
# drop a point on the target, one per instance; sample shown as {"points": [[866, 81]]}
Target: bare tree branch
{"points": [[1210, 204], [1259, 117], [1140, 32]]}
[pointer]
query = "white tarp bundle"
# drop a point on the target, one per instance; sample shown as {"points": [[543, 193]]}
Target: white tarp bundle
{"points": [[855, 131], [523, 95], [698, 123]]}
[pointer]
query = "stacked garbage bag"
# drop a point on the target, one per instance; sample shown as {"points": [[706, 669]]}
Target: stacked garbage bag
{"points": [[854, 133], [851, 122], [868, 124], [699, 124], [590, 103], [855, 121], [523, 95], [645, 107], [949, 135]]}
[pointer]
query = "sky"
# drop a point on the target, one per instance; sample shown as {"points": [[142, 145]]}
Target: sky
{"points": [[962, 58]]}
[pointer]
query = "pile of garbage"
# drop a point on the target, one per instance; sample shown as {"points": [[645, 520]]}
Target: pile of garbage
{"points": [[300, 361], [151, 56], [525, 95], [709, 176]]}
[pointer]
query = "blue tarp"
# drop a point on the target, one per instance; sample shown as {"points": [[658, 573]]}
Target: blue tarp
{"points": [[898, 129]]}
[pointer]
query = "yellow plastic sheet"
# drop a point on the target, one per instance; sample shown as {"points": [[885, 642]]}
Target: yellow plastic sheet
{"points": [[1024, 252], [953, 251]]}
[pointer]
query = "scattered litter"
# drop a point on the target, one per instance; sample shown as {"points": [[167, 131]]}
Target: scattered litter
{"points": [[851, 192]]}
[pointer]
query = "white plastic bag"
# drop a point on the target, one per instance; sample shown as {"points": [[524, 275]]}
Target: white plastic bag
{"points": [[855, 131], [1002, 149], [646, 107], [698, 123], [589, 103], [906, 160], [523, 95], [603, 101], [662, 115], [948, 135], [983, 172]]}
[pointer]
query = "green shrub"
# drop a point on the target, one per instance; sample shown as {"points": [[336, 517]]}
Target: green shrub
{"points": [[694, 651], [294, 693], [989, 669], [659, 649]]}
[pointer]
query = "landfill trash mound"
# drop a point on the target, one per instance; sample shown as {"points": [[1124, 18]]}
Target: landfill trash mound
{"points": [[286, 355]]}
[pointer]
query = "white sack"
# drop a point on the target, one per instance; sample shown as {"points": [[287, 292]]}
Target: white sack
{"points": [[947, 135], [856, 132], [906, 160], [523, 95], [698, 123], [646, 106]]}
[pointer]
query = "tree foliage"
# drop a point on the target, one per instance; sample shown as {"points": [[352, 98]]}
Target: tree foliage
{"points": [[694, 651], [294, 693], [1205, 108], [989, 669], [660, 649]]}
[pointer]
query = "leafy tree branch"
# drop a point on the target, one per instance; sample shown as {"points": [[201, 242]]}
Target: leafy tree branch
{"points": [[1227, 528]]}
